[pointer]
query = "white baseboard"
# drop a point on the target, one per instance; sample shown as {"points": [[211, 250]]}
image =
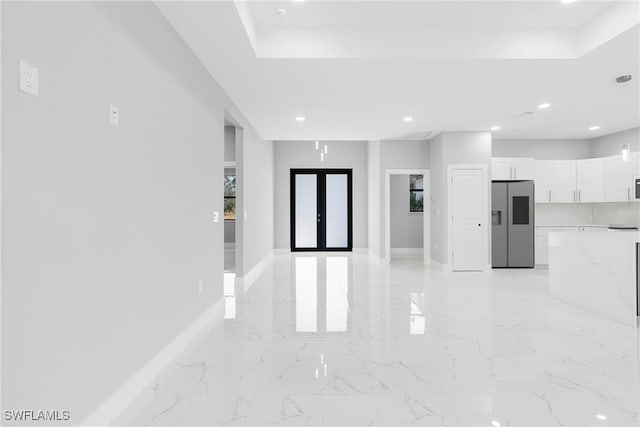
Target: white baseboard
{"points": [[360, 250], [281, 251], [250, 277], [120, 399], [407, 251]]}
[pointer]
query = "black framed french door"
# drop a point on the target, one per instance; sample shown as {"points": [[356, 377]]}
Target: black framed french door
{"points": [[321, 210]]}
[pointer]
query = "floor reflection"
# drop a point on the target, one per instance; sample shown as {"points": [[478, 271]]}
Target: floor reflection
{"points": [[229, 295], [416, 317], [306, 294], [322, 293]]}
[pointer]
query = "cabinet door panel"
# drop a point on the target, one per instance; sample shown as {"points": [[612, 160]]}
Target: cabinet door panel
{"points": [[541, 181], [590, 180], [562, 181], [524, 169], [501, 169], [617, 179]]}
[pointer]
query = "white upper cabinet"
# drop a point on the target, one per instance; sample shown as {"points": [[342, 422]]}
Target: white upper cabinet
{"points": [[618, 179], [541, 181], [607, 179], [501, 169], [562, 181], [524, 168], [590, 180], [512, 168], [555, 181]]}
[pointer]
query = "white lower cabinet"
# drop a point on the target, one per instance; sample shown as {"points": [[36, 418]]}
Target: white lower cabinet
{"points": [[542, 238], [542, 242]]}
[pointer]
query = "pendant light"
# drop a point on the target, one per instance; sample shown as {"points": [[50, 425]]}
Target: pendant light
{"points": [[625, 148]]}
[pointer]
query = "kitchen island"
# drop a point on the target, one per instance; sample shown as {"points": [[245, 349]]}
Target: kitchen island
{"points": [[595, 272]]}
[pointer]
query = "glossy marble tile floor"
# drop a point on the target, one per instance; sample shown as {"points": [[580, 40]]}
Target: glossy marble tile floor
{"points": [[341, 340]]}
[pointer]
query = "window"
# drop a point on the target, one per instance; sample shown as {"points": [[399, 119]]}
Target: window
{"points": [[416, 193], [229, 195]]}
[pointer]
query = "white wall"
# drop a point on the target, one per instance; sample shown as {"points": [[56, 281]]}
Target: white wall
{"points": [[302, 154], [398, 155], [374, 201], [107, 230], [254, 200], [438, 202], [609, 145], [451, 148], [406, 227], [229, 144], [543, 149]]}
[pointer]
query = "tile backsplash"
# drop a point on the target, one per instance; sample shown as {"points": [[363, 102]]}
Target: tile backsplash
{"points": [[563, 214], [617, 213], [583, 214]]}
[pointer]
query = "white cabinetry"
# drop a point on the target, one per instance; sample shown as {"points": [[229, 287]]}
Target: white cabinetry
{"points": [[555, 181], [541, 181], [607, 179], [618, 178], [512, 168], [590, 180], [562, 181]]}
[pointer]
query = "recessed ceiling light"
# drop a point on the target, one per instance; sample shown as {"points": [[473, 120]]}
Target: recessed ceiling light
{"points": [[544, 105], [280, 11], [594, 127], [408, 119], [495, 127], [300, 118], [495, 423], [601, 417]]}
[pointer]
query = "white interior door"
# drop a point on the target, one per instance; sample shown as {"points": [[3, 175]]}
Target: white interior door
{"points": [[468, 220]]}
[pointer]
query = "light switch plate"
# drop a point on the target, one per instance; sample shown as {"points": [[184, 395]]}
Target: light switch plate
{"points": [[114, 115], [216, 216], [29, 79]]}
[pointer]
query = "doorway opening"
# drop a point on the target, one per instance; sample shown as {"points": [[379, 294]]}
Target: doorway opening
{"points": [[321, 210], [230, 200], [232, 214], [407, 217]]}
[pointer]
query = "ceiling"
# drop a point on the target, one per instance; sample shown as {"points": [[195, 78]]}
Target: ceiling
{"points": [[356, 69]]}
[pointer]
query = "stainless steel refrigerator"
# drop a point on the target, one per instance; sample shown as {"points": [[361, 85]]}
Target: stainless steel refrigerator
{"points": [[512, 224]]}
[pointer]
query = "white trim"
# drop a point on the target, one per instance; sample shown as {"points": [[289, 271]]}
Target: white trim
{"points": [[485, 208], [407, 251], [360, 250], [426, 228], [230, 164], [130, 389], [249, 279]]}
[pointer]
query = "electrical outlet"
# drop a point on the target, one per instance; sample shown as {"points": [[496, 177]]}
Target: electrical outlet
{"points": [[216, 216], [29, 79], [114, 115]]}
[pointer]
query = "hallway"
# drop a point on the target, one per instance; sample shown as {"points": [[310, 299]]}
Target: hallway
{"points": [[338, 339]]}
